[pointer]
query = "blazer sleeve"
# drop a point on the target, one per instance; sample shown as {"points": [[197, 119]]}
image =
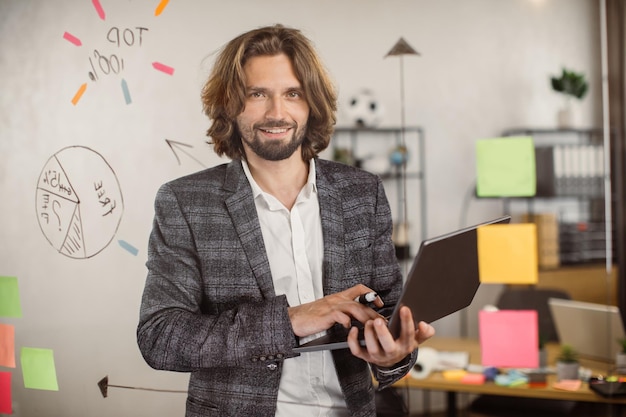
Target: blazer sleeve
{"points": [[385, 259], [173, 333]]}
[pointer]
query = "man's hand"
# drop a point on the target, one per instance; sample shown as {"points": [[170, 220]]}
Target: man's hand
{"points": [[380, 347], [322, 314]]}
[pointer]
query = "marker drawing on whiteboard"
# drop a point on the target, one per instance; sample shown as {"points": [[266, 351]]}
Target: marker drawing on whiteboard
{"points": [[163, 68], [71, 38], [98, 6], [79, 94], [130, 248], [126, 92], [178, 145], [160, 7]]}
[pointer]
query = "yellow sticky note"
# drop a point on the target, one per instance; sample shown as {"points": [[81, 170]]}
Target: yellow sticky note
{"points": [[454, 374], [505, 167], [507, 254]]}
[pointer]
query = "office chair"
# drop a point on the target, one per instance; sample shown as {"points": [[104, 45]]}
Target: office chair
{"points": [[534, 299]]}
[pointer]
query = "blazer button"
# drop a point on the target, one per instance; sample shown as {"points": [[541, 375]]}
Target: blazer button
{"points": [[272, 366]]}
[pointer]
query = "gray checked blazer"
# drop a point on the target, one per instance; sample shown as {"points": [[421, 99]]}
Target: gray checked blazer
{"points": [[209, 306]]}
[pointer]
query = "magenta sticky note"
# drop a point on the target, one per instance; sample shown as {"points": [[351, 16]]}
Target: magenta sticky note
{"points": [[509, 338], [5, 393]]}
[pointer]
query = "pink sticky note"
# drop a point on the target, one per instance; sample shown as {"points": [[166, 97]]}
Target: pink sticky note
{"points": [[7, 345], [5, 393], [163, 68], [509, 338]]}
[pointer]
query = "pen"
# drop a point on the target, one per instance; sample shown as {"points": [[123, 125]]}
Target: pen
{"points": [[366, 298]]}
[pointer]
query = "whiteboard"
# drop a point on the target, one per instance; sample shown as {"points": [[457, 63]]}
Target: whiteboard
{"points": [[100, 105]]}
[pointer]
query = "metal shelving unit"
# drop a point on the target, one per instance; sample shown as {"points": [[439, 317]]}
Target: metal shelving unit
{"points": [[371, 148]]}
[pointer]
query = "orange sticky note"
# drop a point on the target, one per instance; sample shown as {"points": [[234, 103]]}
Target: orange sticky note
{"points": [[507, 253], [454, 374], [509, 338], [7, 345], [568, 384]]}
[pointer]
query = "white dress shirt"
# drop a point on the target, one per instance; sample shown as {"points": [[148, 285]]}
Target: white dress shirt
{"points": [[293, 240]]}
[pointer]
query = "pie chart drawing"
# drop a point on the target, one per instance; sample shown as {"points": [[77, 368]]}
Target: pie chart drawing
{"points": [[79, 202]]}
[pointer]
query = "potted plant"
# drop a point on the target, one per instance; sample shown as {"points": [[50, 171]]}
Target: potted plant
{"points": [[620, 357], [567, 365], [572, 85]]}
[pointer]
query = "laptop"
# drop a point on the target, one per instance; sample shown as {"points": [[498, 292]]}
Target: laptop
{"points": [[443, 279], [591, 329]]}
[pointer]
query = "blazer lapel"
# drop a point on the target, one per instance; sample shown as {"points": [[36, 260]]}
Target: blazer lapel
{"points": [[243, 212], [331, 212]]}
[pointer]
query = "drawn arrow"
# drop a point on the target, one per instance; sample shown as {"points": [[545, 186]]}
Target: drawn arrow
{"points": [[104, 385], [180, 146]]}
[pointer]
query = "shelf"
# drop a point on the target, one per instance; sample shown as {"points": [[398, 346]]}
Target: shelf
{"points": [[363, 146], [569, 205]]}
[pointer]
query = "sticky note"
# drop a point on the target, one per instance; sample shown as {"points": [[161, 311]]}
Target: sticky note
{"points": [[5, 393], [10, 305], [7, 345], [454, 374], [568, 384], [505, 167], [507, 253], [509, 338], [473, 379], [38, 369]]}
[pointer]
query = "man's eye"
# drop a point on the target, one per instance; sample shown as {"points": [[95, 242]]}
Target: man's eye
{"points": [[256, 94], [294, 94]]}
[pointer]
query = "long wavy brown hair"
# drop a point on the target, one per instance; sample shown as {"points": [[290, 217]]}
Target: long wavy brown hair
{"points": [[224, 94]]}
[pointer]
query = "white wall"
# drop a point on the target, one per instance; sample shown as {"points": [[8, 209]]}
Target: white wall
{"points": [[484, 67]]}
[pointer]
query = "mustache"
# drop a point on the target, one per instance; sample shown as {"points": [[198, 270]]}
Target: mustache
{"points": [[268, 124]]}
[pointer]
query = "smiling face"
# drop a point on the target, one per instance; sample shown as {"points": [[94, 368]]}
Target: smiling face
{"points": [[273, 122]]}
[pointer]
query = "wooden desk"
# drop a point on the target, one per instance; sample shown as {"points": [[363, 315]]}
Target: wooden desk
{"points": [[436, 382]]}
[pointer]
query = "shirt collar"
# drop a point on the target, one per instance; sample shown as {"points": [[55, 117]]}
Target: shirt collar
{"points": [[309, 188]]}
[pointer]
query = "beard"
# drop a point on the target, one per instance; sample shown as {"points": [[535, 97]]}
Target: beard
{"points": [[272, 150]]}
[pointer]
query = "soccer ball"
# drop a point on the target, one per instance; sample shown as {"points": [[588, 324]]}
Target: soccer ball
{"points": [[363, 109]]}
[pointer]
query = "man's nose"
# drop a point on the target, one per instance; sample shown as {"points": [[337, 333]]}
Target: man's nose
{"points": [[275, 108]]}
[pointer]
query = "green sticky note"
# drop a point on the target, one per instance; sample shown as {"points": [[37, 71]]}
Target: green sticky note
{"points": [[9, 298], [505, 167], [38, 369]]}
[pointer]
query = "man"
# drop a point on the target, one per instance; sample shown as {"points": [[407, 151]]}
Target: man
{"points": [[248, 258]]}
